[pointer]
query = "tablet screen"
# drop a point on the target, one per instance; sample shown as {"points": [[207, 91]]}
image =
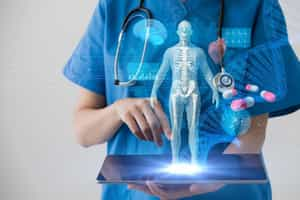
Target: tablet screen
{"points": [[158, 168]]}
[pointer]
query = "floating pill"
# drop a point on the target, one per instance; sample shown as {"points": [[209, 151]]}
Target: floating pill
{"points": [[227, 94], [238, 105], [250, 101], [268, 96], [252, 88], [242, 104]]}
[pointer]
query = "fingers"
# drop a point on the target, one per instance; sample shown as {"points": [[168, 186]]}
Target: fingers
{"points": [[144, 121], [155, 190], [205, 188], [172, 193], [154, 123], [143, 124], [194, 189], [133, 126], [142, 188], [163, 119]]}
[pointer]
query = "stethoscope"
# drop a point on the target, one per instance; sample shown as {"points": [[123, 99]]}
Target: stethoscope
{"points": [[222, 81], [139, 12]]}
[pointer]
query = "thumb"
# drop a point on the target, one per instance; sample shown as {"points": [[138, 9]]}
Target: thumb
{"points": [[205, 188]]}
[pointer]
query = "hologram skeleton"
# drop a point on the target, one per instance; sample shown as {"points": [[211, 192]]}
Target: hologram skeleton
{"points": [[185, 60]]}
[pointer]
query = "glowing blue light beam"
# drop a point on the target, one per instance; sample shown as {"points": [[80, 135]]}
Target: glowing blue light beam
{"points": [[183, 169]]}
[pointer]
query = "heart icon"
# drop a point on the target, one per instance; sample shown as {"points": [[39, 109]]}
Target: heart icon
{"points": [[216, 50]]}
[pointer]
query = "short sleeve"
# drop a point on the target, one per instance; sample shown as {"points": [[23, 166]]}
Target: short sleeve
{"points": [[86, 65], [270, 64]]}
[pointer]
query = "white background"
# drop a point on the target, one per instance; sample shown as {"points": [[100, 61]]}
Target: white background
{"points": [[39, 156]]}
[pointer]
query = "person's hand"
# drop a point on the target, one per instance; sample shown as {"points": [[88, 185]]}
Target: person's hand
{"points": [[144, 121], [172, 193], [215, 97]]}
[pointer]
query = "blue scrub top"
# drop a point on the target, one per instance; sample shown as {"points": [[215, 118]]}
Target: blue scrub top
{"points": [[256, 38]]}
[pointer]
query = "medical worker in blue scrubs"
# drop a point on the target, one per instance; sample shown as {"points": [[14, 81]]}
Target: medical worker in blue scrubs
{"points": [[129, 125]]}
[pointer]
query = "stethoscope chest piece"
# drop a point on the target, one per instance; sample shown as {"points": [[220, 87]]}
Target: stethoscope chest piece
{"points": [[223, 81]]}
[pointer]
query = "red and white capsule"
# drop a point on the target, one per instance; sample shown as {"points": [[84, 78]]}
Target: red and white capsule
{"points": [[252, 88], [242, 104], [228, 94], [268, 96]]}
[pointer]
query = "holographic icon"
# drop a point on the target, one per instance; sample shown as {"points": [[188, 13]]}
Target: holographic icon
{"points": [[157, 32], [185, 61]]}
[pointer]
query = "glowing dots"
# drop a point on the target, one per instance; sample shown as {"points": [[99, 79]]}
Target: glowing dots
{"points": [[237, 37], [158, 32], [252, 88], [242, 104], [235, 123], [183, 169], [228, 94], [268, 96]]}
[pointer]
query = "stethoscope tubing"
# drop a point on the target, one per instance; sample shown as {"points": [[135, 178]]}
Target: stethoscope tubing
{"points": [[130, 17]]}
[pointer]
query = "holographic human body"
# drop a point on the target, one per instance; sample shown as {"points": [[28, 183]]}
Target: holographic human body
{"points": [[186, 61]]}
